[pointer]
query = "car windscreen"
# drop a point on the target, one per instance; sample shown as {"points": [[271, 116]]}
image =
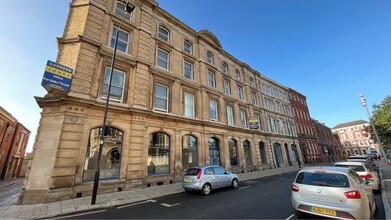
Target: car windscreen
{"points": [[323, 179], [357, 168], [192, 172]]}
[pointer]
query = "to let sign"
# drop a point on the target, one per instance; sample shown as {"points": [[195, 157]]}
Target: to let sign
{"points": [[57, 77], [253, 123]]}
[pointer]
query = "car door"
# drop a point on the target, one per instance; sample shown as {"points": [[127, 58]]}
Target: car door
{"points": [[222, 178], [210, 177]]}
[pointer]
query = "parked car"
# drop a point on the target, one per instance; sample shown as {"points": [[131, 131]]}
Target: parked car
{"points": [[365, 171], [372, 164], [207, 178], [336, 192]]}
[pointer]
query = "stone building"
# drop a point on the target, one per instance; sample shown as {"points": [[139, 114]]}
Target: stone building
{"points": [[328, 147], [177, 100], [354, 138], [13, 142], [304, 126]]}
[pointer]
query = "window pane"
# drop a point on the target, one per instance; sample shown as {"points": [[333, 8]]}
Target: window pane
{"points": [[189, 105], [189, 151], [162, 59], [111, 154], [158, 154], [187, 47], [247, 152], [188, 70], [230, 116], [161, 97], [213, 110], [163, 34], [233, 153], [120, 10], [117, 84]]}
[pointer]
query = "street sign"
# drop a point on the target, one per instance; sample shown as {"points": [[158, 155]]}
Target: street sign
{"points": [[57, 77]]}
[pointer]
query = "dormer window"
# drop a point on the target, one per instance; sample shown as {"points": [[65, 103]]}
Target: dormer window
{"points": [[209, 58], [187, 47], [164, 34]]}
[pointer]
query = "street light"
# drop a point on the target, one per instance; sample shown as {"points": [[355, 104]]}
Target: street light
{"points": [[128, 8], [364, 104]]}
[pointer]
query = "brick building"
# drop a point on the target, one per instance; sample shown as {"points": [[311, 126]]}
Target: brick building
{"points": [[304, 126], [177, 100], [328, 147], [353, 137], [13, 142]]}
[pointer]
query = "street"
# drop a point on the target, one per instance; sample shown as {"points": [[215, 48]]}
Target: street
{"points": [[264, 198]]}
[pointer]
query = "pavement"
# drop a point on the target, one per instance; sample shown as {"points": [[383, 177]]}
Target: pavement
{"points": [[111, 200]]}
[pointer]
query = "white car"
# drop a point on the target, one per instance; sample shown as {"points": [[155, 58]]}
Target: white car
{"points": [[365, 171], [332, 192]]}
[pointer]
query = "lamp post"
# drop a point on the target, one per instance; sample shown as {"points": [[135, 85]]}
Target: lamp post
{"points": [[364, 104], [128, 8]]}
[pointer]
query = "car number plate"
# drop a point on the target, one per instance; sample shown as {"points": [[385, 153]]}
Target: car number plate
{"points": [[188, 180], [324, 211]]}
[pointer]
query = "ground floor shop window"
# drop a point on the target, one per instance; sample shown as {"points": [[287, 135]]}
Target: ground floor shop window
{"points": [[189, 151], [247, 152], [158, 154], [110, 154], [262, 151], [233, 152]]}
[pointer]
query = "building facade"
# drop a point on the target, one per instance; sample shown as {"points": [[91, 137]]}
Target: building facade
{"points": [[13, 142], [354, 139], [177, 100], [329, 149], [304, 126]]}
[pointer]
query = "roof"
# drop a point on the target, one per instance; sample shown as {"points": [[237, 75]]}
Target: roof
{"points": [[325, 168], [352, 123]]}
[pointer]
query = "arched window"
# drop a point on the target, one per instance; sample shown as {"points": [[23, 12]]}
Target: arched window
{"points": [[233, 152], [262, 151], [111, 154], [247, 152], [158, 154], [189, 151]]}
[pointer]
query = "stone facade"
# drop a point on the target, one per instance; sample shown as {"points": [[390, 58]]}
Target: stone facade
{"points": [[166, 91]]}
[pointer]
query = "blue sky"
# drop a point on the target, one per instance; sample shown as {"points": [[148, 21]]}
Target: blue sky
{"points": [[331, 51]]}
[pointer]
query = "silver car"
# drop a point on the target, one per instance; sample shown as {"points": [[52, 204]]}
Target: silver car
{"points": [[365, 171], [333, 192], [206, 178]]}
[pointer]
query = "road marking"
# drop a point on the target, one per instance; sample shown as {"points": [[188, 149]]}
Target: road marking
{"points": [[151, 200], [290, 216], [168, 205], [244, 187]]}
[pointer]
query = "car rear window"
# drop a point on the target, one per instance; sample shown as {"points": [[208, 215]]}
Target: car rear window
{"points": [[192, 172], [323, 179], [357, 168]]}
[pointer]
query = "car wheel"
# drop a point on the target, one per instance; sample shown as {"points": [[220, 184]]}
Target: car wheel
{"points": [[299, 214], [235, 183], [206, 189]]}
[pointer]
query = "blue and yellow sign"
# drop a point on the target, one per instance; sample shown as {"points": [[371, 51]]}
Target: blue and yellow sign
{"points": [[253, 123], [57, 76]]}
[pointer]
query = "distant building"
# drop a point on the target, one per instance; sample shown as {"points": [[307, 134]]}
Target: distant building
{"points": [[13, 141], [328, 147], [353, 137]]}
